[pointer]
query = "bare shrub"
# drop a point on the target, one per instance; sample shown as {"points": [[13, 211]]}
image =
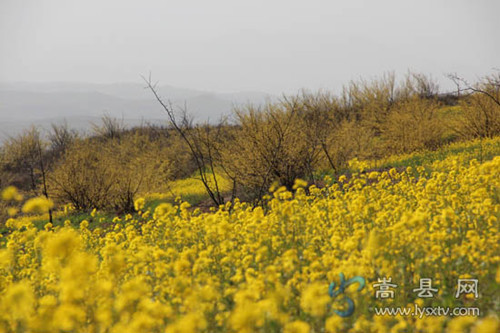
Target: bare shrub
{"points": [[109, 128], [108, 175], [480, 107], [413, 124]]}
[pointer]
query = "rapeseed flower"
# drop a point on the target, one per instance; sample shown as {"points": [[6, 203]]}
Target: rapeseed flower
{"points": [[38, 205], [267, 269]]}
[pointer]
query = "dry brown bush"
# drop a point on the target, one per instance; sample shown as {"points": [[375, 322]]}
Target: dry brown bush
{"points": [[108, 175], [270, 144], [481, 110], [413, 124]]}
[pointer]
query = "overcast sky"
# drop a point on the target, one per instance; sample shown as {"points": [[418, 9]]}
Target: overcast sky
{"points": [[232, 45]]}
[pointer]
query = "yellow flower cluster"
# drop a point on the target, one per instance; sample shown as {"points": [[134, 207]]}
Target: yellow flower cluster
{"points": [[11, 194], [38, 205], [266, 269], [190, 187]]}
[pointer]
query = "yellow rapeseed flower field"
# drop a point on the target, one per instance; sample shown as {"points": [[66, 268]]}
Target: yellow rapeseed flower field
{"points": [[268, 269]]}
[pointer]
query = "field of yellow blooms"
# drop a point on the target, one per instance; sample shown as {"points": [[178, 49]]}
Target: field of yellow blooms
{"points": [[266, 269]]}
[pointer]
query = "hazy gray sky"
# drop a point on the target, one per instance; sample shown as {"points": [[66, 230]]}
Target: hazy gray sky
{"points": [[230, 45]]}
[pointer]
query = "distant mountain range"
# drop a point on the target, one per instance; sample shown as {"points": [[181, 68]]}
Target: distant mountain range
{"points": [[23, 104]]}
